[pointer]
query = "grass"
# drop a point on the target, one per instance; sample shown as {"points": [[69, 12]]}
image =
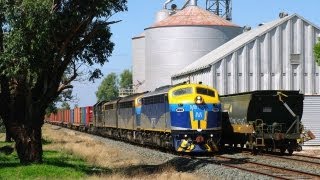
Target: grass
{"points": [[56, 165], [73, 155]]}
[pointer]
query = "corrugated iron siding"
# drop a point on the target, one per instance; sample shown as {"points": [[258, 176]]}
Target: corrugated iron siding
{"points": [[280, 58], [311, 117]]}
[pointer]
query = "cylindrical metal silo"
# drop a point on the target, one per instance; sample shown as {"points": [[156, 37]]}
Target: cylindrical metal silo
{"points": [[181, 39], [139, 63]]}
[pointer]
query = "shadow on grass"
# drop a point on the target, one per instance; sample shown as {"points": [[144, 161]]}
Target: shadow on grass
{"points": [[64, 162]]}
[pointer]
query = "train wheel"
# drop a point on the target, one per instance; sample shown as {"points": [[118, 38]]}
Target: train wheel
{"points": [[254, 151], [290, 152], [140, 139], [282, 150]]}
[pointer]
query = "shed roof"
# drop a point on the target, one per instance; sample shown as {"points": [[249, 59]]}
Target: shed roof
{"points": [[193, 16], [233, 45]]}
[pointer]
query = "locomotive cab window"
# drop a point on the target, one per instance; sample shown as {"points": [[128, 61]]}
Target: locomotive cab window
{"points": [[183, 91], [205, 91]]}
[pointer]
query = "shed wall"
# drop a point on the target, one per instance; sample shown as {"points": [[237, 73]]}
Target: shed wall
{"points": [[281, 58], [310, 117]]}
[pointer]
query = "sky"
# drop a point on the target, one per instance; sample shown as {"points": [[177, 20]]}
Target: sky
{"points": [[141, 14]]}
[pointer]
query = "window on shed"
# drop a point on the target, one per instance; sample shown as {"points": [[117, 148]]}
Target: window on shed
{"points": [[295, 58], [205, 91]]}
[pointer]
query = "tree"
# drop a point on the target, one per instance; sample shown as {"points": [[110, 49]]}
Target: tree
{"points": [[108, 89], [317, 52], [65, 105], [126, 79], [44, 45]]}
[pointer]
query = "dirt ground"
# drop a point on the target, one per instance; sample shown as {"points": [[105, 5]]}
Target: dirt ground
{"points": [[310, 151]]}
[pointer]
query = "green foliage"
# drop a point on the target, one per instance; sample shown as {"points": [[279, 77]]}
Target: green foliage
{"points": [[108, 89], [317, 52], [126, 79], [56, 165], [65, 105], [43, 44]]}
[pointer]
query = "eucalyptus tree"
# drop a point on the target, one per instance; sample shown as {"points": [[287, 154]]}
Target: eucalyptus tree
{"points": [[126, 79], [43, 44], [108, 89]]}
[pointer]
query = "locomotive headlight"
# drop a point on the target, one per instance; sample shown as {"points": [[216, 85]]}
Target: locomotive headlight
{"points": [[211, 135], [199, 100], [185, 135]]}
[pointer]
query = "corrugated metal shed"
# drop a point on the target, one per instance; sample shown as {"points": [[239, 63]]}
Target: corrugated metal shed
{"points": [[277, 55], [310, 117]]}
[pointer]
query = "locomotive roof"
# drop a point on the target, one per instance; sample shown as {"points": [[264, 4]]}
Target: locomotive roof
{"points": [[158, 91], [99, 103], [131, 97], [112, 101]]}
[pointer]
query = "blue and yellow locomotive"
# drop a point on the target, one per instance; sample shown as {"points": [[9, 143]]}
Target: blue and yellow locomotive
{"points": [[184, 117]]}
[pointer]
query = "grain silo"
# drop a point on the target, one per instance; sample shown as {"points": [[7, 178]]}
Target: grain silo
{"points": [[138, 64], [180, 39]]}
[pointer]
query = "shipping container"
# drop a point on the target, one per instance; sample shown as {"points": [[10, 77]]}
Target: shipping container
{"points": [[89, 115], [83, 116], [77, 116], [71, 116]]}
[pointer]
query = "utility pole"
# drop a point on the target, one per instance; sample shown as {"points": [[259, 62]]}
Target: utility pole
{"points": [[221, 8]]}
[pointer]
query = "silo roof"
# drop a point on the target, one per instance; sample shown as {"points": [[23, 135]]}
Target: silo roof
{"points": [[193, 16]]}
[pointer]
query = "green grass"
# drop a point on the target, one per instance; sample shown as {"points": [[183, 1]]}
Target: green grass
{"points": [[56, 165]]}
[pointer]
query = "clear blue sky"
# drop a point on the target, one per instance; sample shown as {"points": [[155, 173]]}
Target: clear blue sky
{"points": [[141, 14]]}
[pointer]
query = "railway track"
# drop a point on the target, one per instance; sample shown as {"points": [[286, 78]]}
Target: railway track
{"points": [[253, 167], [304, 156], [305, 159], [262, 169]]}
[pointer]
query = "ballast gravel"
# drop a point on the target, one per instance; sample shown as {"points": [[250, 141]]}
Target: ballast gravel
{"points": [[151, 157]]}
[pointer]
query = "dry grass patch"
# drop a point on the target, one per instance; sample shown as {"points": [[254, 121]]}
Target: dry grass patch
{"points": [[2, 136], [164, 173], [124, 164], [93, 151]]}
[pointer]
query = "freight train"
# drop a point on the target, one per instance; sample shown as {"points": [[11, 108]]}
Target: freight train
{"points": [[184, 118], [263, 120], [194, 118]]}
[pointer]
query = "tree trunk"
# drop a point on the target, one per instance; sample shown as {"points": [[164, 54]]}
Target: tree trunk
{"points": [[8, 136], [28, 143]]}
